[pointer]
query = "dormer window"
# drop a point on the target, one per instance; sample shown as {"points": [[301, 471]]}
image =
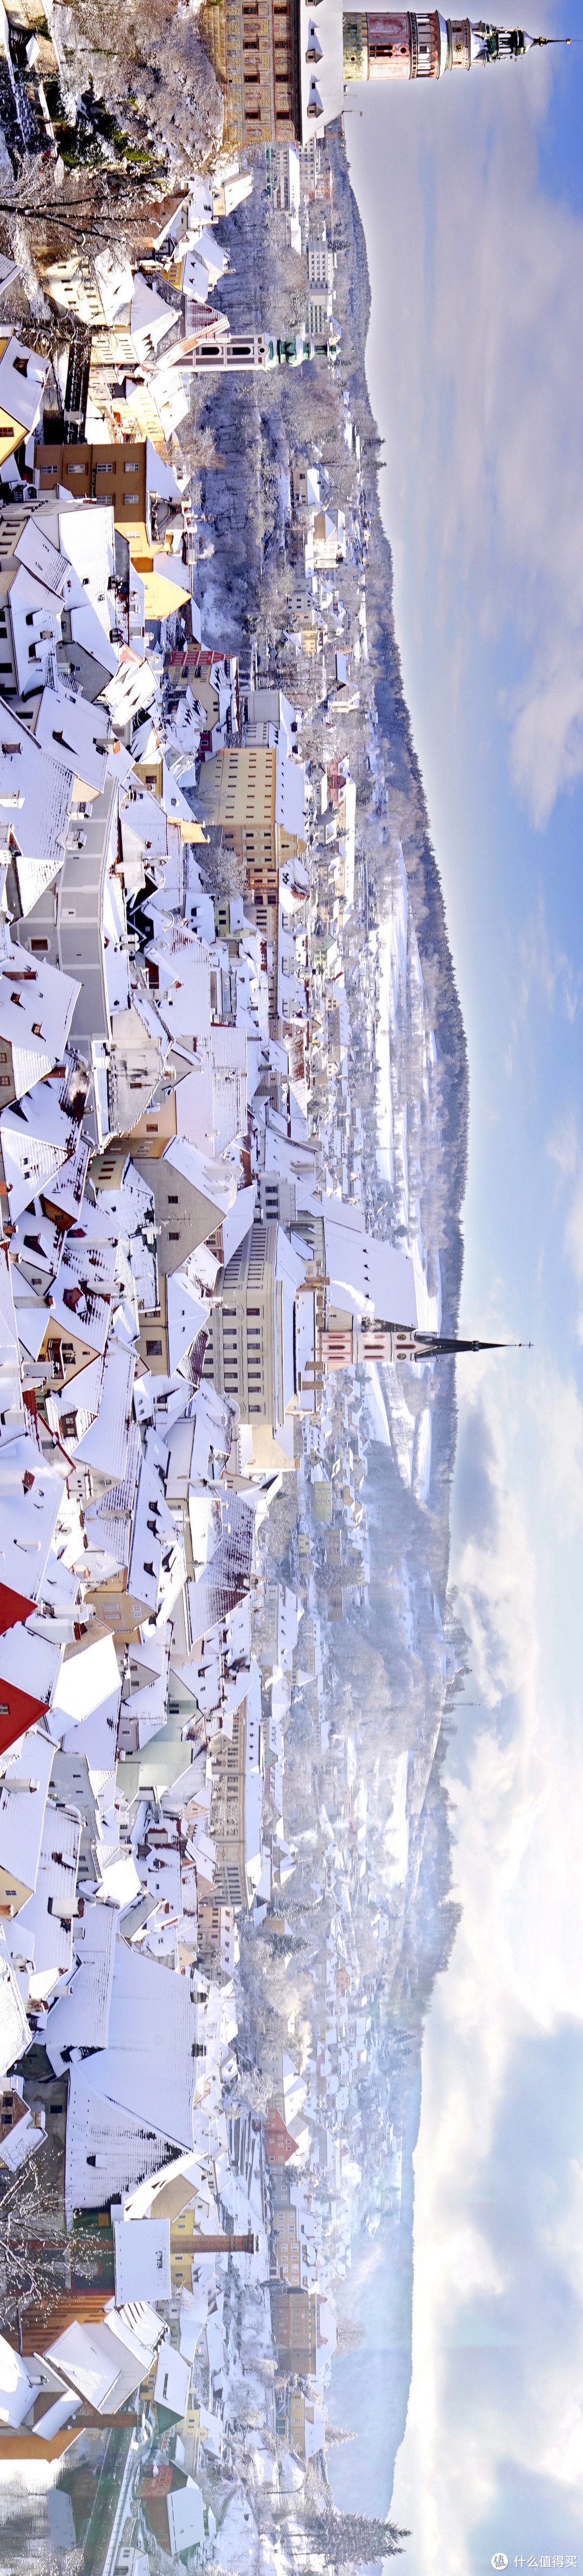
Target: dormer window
{"points": [[314, 48]]}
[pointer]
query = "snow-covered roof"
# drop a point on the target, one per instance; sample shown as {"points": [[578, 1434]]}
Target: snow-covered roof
{"points": [[98, 2364], [80, 2018], [215, 1181], [35, 549], [142, 2258], [172, 2381], [30, 1498], [46, 1920], [86, 1706], [236, 1225], [23, 376], [16, 2387], [364, 1274], [36, 1000], [188, 1303], [115, 283], [156, 1567], [25, 1775], [36, 798], [87, 537], [150, 318], [41, 1148], [108, 2147], [73, 731], [15, 2034], [184, 991], [105, 1444], [228, 1576], [148, 2067], [185, 2514]]}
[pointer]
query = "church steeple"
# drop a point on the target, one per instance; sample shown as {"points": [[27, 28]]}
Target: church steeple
{"points": [[402, 45], [381, 1341], [351, 1344]]}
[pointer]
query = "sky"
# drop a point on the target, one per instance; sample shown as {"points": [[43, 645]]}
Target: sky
{"points": [[471, 194]]}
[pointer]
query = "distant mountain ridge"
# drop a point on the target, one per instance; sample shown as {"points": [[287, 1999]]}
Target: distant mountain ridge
{"points": [[423, 877]]}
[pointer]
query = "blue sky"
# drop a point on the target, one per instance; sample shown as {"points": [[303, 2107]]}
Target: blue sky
{"points": [[472, 198]]}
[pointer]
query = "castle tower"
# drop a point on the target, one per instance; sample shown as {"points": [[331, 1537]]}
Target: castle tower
{"points": [[383, 45], [284, 65]]}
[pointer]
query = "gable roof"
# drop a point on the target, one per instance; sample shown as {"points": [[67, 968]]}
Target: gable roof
{"points": [[148, 2067], [24, 1782], [15, 2034], [80, 2019], [37, 796], [36, 1001], [104, 1444], [108, 2148], [142, 2258], [30, 1498], [39, 1145]]}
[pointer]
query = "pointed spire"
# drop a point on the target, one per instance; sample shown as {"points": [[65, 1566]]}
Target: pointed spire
{"points": [[416, 1344], [492, 44], [444, 1346]]}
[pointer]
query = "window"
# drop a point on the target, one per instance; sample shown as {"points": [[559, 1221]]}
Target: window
{"points": [[39, 947], [173, 1238], [171, 1201], [153, 1350]]}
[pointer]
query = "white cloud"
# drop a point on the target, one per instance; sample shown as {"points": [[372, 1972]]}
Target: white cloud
{"points": [[481, 297], [559, 1417], [545, 968], [477, 284], [495, 1563], [565, 1151], [498, 2257]]}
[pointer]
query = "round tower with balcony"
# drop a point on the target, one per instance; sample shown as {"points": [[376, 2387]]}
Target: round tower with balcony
{"points": [[399, 45]]}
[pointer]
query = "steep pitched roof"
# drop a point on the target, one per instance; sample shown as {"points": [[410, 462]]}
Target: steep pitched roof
{"points": [[108, 2148], [149, 2067], [80, 2019], [36, 1001]]}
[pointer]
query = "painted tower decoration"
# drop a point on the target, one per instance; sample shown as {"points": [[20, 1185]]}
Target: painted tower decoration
{"points": [[402, 46]]}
